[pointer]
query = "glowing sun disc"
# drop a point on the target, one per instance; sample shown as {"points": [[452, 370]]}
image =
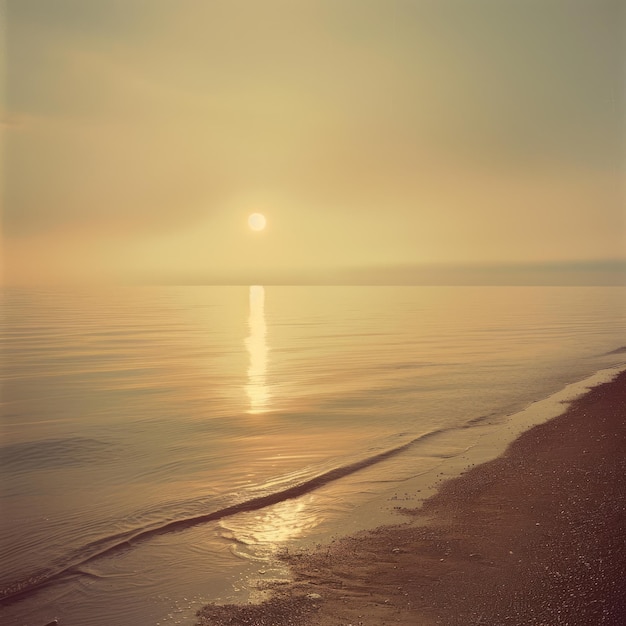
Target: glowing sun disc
{"points": [[257, 221]]}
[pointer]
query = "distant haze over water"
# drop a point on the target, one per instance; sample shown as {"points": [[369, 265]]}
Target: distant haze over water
{"points": [[563, 273]]}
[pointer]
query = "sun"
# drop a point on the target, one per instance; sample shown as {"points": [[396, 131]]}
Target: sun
{"points": [[257, 221]]}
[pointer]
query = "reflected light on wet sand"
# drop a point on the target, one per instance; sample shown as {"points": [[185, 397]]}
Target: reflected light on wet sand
{"points": [[265, 532], [256, 387]]}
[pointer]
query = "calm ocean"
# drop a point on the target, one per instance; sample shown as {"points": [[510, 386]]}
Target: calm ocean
{"points": [[158, 444]]}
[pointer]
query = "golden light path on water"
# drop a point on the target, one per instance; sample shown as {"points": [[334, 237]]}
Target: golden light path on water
{"points": [[268, 529], [256, 344]]}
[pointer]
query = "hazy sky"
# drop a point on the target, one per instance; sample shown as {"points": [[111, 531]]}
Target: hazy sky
{"points": [[373, 134]]}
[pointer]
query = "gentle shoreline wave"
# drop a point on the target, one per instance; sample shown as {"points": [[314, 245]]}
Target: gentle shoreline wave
{"points": [[73, 565], [110, 544]]}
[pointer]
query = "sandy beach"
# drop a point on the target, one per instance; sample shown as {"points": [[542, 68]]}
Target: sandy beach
{"points": [[536, 536]]}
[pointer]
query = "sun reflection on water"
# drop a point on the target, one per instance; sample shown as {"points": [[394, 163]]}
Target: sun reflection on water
{"points": [[256, 344], [262, 533]]}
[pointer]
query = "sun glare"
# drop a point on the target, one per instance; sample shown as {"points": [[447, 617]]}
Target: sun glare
{"points": [[257, 221]]}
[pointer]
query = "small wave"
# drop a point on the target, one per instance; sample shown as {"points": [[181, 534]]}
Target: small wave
{"points": [[478, 420], [620, 350], [74, 564]]}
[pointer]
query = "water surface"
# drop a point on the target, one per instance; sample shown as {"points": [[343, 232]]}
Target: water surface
{"points": [[156, 441]]}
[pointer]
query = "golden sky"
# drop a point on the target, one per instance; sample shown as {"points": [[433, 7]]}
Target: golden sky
{"points": [[376, 136]]}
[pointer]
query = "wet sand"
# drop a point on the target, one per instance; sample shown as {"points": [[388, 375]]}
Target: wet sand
{"points": [[537, 536]]}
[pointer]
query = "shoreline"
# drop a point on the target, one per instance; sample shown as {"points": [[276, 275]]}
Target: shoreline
{"points": [[532, 536]]}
